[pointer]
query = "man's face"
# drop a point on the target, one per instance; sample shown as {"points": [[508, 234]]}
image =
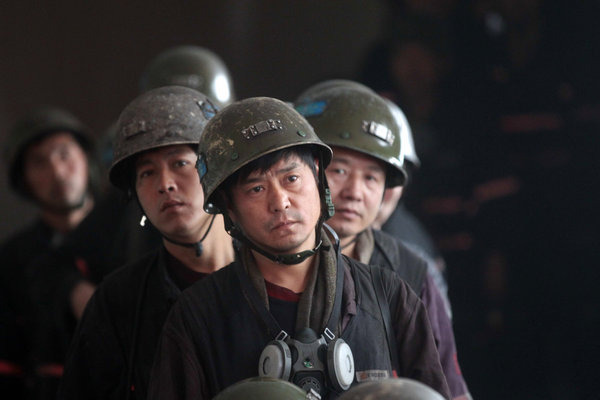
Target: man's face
{"points": [[56, 172], [169, 190], [357, 182], [278, 209]]}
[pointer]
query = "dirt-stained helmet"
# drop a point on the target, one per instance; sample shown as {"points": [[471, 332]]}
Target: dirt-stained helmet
{"points": [[392, 389], [164, 116], [35, 125], [264, 388], [190, 66], [315, 90], [358, 120], [247, 130]]}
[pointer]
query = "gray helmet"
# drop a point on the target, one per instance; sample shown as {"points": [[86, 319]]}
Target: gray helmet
{"points": [[359, 120], [35, 125], [264, 388], [315, 90], [406, 136], [392, 389], [190, 66], [245, 131], [164, 116]]}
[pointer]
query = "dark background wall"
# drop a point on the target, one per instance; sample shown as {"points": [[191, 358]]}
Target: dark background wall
{"points": [[88, 56]]}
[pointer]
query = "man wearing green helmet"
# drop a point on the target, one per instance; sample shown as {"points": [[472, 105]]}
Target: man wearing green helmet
{"points": [[123, 240], [155, 156], [290, 306], [367, 159]]}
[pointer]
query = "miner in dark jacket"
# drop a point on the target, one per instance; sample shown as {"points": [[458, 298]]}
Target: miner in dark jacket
{"points": [[362, 130], [290, 306], [155, 157]]}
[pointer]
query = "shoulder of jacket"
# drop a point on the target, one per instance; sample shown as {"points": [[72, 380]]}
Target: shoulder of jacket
{"points": [[390, 243], [130, 273]]}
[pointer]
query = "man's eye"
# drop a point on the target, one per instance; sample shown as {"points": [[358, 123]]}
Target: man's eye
{"points": [[64, 154], [340, 171], [145, 174], [375, 178], [256, 189], [293, 178], [181, 163]]}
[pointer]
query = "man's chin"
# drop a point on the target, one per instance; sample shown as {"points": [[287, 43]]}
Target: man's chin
{"points": [[62, 207], [344, 231], [283, 247]]}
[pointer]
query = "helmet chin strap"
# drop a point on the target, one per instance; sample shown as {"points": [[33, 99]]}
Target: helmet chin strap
{"points": [[286, 259], [198, 245]]}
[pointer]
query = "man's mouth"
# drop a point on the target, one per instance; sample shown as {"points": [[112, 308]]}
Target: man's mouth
{"points": [[170, 204], [282, 224], [347, 212]]}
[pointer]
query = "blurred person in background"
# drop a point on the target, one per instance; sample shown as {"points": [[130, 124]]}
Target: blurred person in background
{"points": [[50, 163]]}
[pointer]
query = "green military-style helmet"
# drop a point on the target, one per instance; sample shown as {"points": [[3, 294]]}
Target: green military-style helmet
{"points": [[35, 125], [392, 389], [358, 120], [315, 90], [164, 116], [264, 388], [245, 131], [190, 66]]}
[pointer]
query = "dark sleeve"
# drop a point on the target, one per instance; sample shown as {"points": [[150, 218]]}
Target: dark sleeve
{"points": [[177, 372], [416, 347], [95, 366], [444, 338]]}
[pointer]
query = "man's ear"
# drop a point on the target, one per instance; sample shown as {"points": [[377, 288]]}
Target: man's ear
{"points": [[231, 214], [228, 206], [317, 165]]}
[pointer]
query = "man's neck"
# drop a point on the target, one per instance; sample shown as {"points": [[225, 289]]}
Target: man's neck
{"points": [[67, 221], [294, 277], [217, 250], [347, 245]]}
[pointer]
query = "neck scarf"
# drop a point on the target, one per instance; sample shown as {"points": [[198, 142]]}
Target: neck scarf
{"points": [[316, 302]]}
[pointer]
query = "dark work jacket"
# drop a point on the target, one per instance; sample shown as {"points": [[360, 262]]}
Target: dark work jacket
{"points": [[20, 257], [219, 326], [124, 317], [390, 253], [405, 226]]}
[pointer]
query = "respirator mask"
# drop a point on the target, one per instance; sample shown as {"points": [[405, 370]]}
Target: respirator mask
{"points": [[321, 364]]}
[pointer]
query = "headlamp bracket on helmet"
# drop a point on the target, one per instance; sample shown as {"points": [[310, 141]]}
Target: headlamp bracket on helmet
{"points": [[378, 130], [262, 127]]}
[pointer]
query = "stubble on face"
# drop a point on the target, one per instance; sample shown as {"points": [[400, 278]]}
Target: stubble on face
{"points": [[279, 230]]}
